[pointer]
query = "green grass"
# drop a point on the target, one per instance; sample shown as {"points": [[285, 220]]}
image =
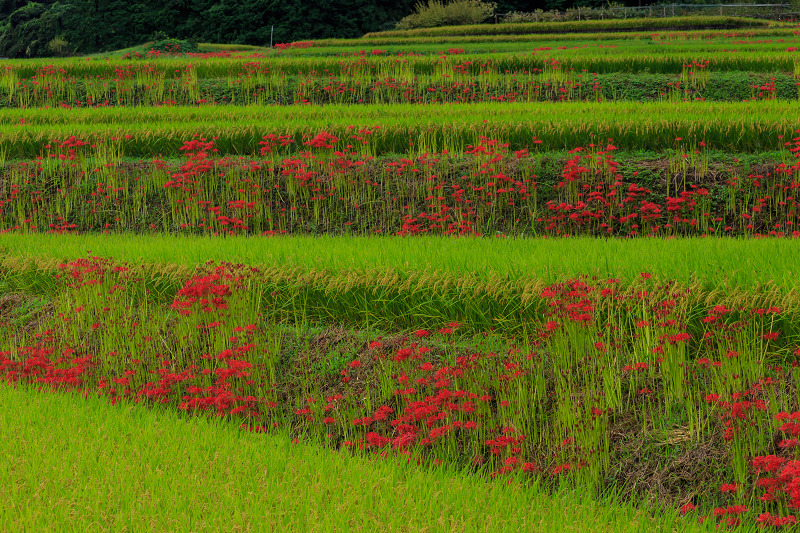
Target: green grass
{"points": [[488, 48], [744, 263], [434, 88], [75, 464]]}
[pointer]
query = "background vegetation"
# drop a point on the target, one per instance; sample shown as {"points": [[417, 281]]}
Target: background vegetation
{"points": [[51, 28]]}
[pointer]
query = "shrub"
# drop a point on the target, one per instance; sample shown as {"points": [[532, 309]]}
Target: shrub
{"points": [[610, 10], [58, 46], [438, 13], [174, 46]]}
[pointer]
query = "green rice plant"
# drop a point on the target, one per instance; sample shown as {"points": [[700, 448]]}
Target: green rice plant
{"points": [[155, 475], [742, 126], [556, 430], [721, 264], [57, 82], [384, 297], [380, 39], [581, 26]]}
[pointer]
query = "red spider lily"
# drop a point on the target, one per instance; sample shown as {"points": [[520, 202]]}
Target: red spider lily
{"points": [[768, 520], [562, 469]]}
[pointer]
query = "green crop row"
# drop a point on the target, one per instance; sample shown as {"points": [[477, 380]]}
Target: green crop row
{"points": [[359, 56], [548, 85], [696, 43], [557, 380], [380, 129], [381, 39], [265, 479], [715, 265], [685, 191], [632, 24], [393, 299], [658, 59]]}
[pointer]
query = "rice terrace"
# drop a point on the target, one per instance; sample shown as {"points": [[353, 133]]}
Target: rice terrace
{"points": [[530, 274]]}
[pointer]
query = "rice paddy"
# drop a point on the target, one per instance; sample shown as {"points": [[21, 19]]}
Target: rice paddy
{"points": [[478, 278]]}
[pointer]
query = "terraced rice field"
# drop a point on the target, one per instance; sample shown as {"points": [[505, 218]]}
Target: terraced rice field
{"points": [[510, 264]]}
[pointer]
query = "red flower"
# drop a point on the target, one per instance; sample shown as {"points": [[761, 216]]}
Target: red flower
{"points": [[566, 467]]}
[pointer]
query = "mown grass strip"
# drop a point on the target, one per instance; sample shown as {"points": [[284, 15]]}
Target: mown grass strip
{"points": [[143, 470]]}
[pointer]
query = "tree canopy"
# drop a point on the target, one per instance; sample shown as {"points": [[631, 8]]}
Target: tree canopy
{"points": [[30, 29], [96, 26]]}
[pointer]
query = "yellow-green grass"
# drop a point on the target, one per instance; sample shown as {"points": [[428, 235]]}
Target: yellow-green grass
{"points": [[712, 262], [71, 463], [726, 115]]}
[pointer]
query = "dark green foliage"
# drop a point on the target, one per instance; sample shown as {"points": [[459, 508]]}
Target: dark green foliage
{"points": [[96, 26], [29, 29]]}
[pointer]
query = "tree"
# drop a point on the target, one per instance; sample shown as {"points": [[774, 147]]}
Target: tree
{"points": [[26, 28], [29, 29]]}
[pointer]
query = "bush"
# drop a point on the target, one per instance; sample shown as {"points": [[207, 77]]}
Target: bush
{"points": [[617, 10], [608, 11], [437, 13], [29, 29], [58, 46], [174, 46]]}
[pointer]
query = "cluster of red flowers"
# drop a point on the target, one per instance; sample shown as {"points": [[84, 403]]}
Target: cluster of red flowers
{"points": [[329, 186], [294, 45], [433, 399], [783, 482], [209, 292], [152, 85]]}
